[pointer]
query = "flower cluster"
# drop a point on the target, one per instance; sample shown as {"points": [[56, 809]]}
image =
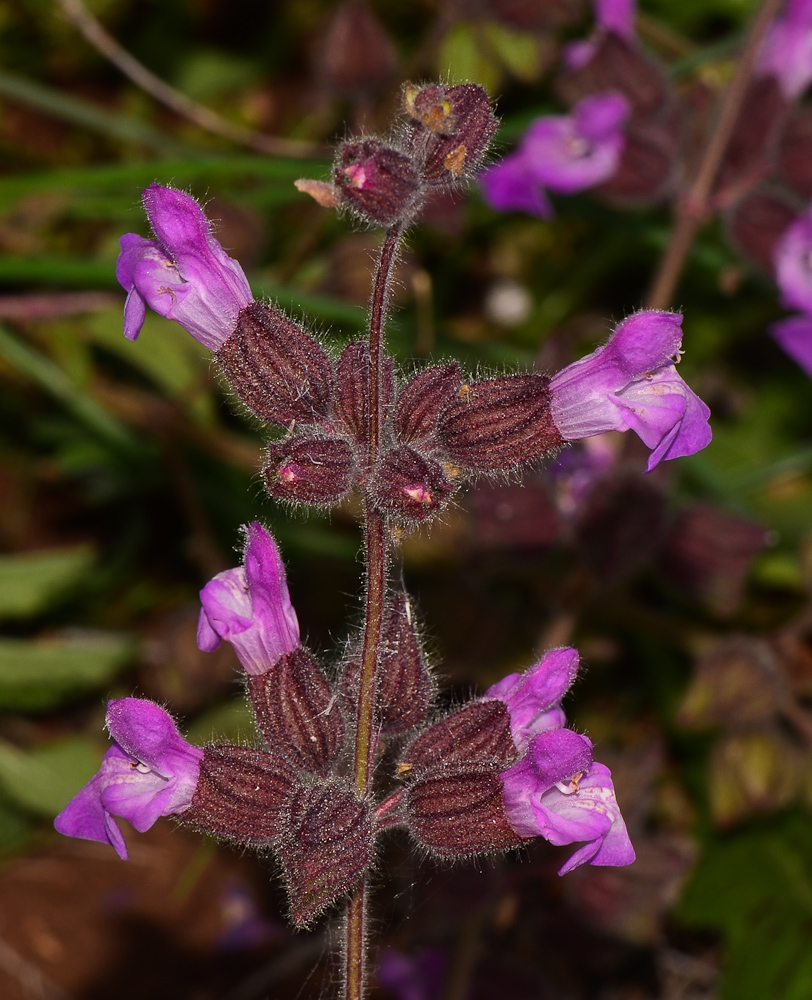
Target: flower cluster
{"points": [[498, 771], [793, 273]]}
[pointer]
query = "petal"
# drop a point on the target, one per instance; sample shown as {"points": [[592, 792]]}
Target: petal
{"points": [[270, 598], [559, 157], [794, 335], [85, 816], [792, 259], [616, 16], [148, 734], [787, 49], [511, 186], [227, 603], [207, 639], [645, 341], [602, 115]]}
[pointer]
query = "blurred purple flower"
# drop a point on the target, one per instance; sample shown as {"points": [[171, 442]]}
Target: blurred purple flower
{"points": [[578, 470], [787, 50], [616, 16], [149, 772], [792, 260], [562, 153], [250, 607], [533, 698], [183, 274], [794, 336], [407, 977], [631, 383]]}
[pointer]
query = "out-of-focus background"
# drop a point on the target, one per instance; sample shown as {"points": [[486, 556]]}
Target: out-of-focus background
{"points": [[126, 474]]}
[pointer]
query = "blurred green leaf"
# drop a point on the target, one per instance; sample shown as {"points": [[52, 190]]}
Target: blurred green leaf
{"points": [[462, 57], [756, 888], [232, 722], [518, 50], [30, 581], [38, 674], [44, 780]]}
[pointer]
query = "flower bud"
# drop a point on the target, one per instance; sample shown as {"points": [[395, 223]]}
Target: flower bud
{"points": [[795, 153], [404, 686], [423, 399], [240, 795], [646, 168], [351, 405], [409, 485], [315, 470], [477, 735], [450, 131], [357, 55], [296, 712], [275, 368], [326, 849], [496, 424], [379, 183], [758, 222], [461, 814]]}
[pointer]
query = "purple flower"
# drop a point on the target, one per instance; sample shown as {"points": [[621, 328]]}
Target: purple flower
{"points": [[631, 383], [562, 153], [556, 790], [616, 16], [533, 698], [183, 274], [792, 260], [580, 806], [787, 50], [408, 977], [250, 607], [794, 335], [149, 772]]}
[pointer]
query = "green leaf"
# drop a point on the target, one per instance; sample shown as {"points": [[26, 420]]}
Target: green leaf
{"points": [[44, 780], [462, 58], [39, 674], [518, 50], [765, 915], [30, 581]]}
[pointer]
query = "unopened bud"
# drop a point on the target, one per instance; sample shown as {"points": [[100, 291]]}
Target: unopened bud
{"points": [[451, 129], [422, 401], [357, 54], [477, 735], [240, 795], [758, 221], [404, 686], [646, 168], [275, 368], [326, 849], [315, 470], [455, 815], [296, 711], [377, 182], [495, 424], [409, 485], [351, 405], [795, 152]]}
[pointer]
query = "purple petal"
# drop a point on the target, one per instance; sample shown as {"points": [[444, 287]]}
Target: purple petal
{"points": [[532, 697], [510, 186], [794, 335], [602, 115], [787, 50], [250, 607], [577, 54], [616, 16], [148, 733], [793, 265], [551, 757], [644, 341], [85, 816]]}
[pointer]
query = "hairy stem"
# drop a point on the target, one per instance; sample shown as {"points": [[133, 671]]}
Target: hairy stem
{"points": [[375, 537], [692, 210]]}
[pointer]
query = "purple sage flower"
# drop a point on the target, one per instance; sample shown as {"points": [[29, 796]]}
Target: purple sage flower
{"points": [[183, 274], [792, 260], [616, 16], [787, 50], [556, 790], [250, 607], [562, 153], [631, 383], [149, 772], [794, 336], [533, 698]]}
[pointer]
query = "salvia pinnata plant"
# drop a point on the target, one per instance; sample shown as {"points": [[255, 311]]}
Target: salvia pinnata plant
{"points": [[491, 773]]}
